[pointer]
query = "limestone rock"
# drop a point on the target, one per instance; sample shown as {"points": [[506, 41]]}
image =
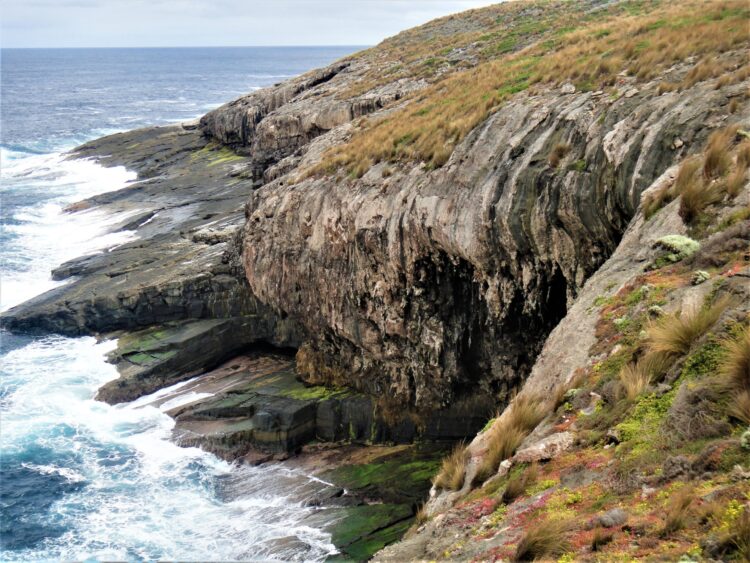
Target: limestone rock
{"points": [[546, 449]]}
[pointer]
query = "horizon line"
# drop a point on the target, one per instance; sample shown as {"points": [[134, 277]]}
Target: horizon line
{"points": [[195, 46]]}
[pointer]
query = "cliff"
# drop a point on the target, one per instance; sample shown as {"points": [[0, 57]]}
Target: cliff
{"points": [[461, 213]]}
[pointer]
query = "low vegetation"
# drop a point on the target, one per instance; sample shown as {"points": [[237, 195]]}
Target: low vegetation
{"points": [[675, 334], [736, 371], [678, 512], [543, 541], [518, 484], [506, 435], [706, 179], [560, 43], [558, 153], [452, 470]]}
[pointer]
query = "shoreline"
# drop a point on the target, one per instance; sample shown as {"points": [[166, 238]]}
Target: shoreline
{"points": [[178, 348]]}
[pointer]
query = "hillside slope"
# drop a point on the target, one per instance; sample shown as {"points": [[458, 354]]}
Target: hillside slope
{"points": [[543, 199], [430, 247]]}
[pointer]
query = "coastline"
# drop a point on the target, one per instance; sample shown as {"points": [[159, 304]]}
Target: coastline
{"points": [[178, 256]]}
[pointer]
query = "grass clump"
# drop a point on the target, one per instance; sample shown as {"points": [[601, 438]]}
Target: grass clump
{"points": [[543, 541], [452, 470], [734, 532], [740, 407], [674, 335], [736, 365], [518, 484], [678, 512], [735, 369], [600, 539], [704, 180], [557, 154], [589, 52], [696, 196], [634, 379], [506, 435], [716, 159]]}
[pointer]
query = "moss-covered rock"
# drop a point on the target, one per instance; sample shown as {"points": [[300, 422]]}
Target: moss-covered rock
{"points": [[676, 247]]}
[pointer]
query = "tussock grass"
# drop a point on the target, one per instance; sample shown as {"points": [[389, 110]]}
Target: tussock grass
{"points": [[743, 156], [696, 196], [518, 484], [634, 380], [740, 407], [635, 377], [674, 335], [588, 51], [557, 154], [736, 539], [655, 200], [740, 536], [679, 511], [736, 364], [600, 539], [505, 436], [502, 446], [735, 182], [421, 516], [716, 160], [545, 540], [452, 470], [703, 180], [735, 370]]}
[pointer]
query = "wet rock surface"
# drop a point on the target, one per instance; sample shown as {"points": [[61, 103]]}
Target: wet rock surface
{"points": [[254, 406]]}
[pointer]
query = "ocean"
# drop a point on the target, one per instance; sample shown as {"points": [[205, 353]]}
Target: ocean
{"points": [[80, 479]]}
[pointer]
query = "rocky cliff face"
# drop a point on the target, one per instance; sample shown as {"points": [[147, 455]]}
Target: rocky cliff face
{"points": [[421, 284], [414, 221]]}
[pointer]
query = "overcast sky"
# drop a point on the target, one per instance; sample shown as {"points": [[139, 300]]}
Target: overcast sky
{"points": [[173, 23]]}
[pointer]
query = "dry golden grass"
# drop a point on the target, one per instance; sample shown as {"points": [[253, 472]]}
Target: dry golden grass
{"points": [[545, 540], [421, 516], [503, 444], [634, 379], [636, 376], [696, 194], [739, 408], [655, 200], [735, 182], [703, 180], [736, 364], [743, 155], [679, 511], [505, 436], [452, 470], [696, 197], [735, 369], [674, 335], [716, 159], [557, 154], [641, 38]]}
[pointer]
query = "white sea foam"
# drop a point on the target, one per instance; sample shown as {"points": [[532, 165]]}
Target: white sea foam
{"points": [[138, 495], [144, 497], [42, 235]]}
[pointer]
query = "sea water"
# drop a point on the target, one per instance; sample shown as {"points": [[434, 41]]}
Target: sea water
{"points": [[80, 479]]}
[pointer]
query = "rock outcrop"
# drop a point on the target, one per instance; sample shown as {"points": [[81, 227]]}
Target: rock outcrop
{"points": [[424, 281]]}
